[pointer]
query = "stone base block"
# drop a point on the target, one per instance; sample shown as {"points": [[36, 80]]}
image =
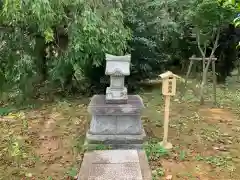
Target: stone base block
{"points": [[116, 141], [99, 106], [91, 147], [118, 96], [115, 165]]}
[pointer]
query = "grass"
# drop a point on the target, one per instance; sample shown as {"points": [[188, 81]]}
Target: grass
{"points": [[46, 141]]}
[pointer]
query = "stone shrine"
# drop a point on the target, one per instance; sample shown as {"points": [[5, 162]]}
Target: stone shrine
{"points": [[116, 116], [117, 67]]}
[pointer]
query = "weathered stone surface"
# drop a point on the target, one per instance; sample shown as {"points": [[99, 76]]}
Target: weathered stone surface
{"points": [[145, 169], [98, 106], [113, 125], [115, 146], [127, 171], [117, 67], [116, 123], [103, 125], [129, 125], [115, 165], [115, 139], [116, 95], [115, 156]]}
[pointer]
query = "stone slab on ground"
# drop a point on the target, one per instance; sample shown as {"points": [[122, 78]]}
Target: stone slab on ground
{"points": [[115, 165]]}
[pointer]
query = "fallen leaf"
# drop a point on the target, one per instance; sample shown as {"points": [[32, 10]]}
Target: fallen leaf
{"points": [[220, 148], [176, 100], [169, 177], [28, 174]]}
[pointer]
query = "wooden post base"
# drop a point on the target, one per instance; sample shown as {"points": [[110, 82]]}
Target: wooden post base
{"points": [[166, 145]]}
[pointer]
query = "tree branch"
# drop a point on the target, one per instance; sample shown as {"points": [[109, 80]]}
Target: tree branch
{"points": [[215, 43], [199, 45]]}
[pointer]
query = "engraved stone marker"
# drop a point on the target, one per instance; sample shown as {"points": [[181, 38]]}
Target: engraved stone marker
{"points": [[115, 165]]}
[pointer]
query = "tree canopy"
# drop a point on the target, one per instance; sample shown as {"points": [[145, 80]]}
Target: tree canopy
{"points": [[62, 43], [56, 39]]}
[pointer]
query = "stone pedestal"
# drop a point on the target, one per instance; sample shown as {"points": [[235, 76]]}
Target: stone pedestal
{"points": [[115, 165], [116, 125], [116, 96]]}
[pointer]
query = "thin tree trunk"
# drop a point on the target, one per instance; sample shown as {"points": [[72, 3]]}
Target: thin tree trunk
{"points": [[40, 61], [183, 89], [205, 71], [214, 82], [238, 69], [203, 64], [188, 72]]}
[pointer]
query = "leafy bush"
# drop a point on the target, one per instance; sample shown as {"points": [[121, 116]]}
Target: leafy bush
{"points": [[62, 44], [58, 41]]}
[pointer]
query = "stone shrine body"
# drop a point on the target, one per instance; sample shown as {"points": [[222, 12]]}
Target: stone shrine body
{"points": [[117, 67], [116, 116]]}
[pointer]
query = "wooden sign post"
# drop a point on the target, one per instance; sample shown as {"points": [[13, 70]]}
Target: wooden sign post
{"points": [[168, 89]]}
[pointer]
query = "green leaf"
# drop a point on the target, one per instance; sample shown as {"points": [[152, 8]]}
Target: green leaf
{"points": [[72, 172], [238, 46], [49, 36], [4, 111], [237, 24], [236, 19]]}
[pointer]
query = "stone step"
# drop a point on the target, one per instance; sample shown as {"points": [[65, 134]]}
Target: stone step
{"points": [[112, 146], [115, 165]]}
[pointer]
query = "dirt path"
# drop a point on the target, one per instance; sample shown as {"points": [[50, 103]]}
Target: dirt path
{"points": [[206, 141], [57, 130]]}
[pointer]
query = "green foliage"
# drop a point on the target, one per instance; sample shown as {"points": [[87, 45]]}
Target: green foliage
{"points": [[220, 161], [234, 4], [60, 40], [154, 150], [182, 155], [62, 44], [207, 18], [4, 111], [159, 172], [210, 14], [72, 172], [102, 147], [157, 29]]}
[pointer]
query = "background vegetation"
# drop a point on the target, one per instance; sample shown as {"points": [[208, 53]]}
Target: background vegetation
{"points": [[60, 44]]}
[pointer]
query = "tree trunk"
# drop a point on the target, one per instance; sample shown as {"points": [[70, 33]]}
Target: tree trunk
{"points": [[238, 69], [204, 80], [206, 67], [214, 82], [40, 55]]}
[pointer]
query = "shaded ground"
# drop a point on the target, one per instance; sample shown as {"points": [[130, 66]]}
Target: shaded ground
{"points": [[46, 142]]}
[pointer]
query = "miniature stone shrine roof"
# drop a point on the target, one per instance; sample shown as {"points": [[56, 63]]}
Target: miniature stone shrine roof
{"points": [[118, 65]]}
